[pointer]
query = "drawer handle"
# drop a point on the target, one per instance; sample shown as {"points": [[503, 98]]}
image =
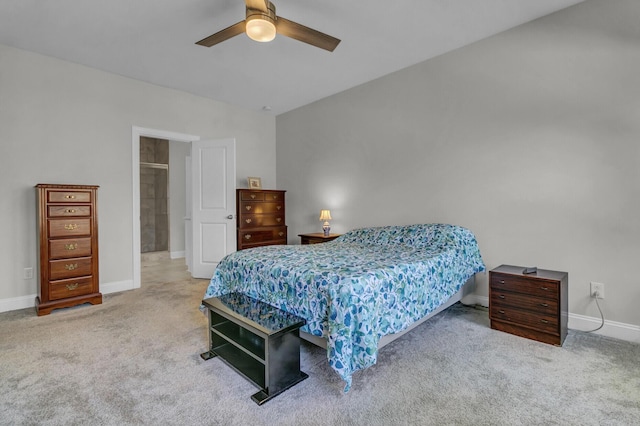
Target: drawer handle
{"points": [[72, 286], [281, 233], [501, 311], [70, 210], [253, 195], [544, 321], [279, 219], [544, 305], [70, 246], [247, 237], [70, 197], [544, 288], [248, 208], [275, 197], [501, 281], [501, 296], [278, 207], [71, 266], [248, 220], [70, 226]]}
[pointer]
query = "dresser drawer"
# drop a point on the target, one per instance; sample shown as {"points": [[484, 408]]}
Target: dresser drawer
{"points": [[70, 288], [547, 306], [61, 211], [542, 322], [69, 247], [259, 220], [69, 196], [250, 207], [256, 236], [274, 196], [251, 196], [533, 287], [68, 268], [69, 227]]}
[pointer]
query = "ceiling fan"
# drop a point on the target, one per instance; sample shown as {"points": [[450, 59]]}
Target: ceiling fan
{"points": [[262, 24]]}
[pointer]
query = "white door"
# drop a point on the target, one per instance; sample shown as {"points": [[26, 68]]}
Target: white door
{"points": [[188, 230], [213, 174]]}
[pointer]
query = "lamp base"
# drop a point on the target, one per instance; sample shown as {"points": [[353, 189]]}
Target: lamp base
{"points": [[326, 228]]}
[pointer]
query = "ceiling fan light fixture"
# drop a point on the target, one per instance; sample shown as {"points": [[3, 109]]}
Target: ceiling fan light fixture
{"points": [[260, 27]]}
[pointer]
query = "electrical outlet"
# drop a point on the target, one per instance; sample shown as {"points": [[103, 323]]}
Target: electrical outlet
{"points": [[597, 288], [27, 274]]}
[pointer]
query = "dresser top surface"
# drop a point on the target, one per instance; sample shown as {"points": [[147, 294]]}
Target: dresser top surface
{"points": [[540, 274]]}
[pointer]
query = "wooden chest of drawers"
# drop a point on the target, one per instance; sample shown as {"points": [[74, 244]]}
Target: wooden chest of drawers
{"points": [[261, 218], [534, 306], [68, 236]]}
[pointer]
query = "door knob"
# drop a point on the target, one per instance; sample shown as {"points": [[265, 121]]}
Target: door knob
{"points": [[230, 216]]}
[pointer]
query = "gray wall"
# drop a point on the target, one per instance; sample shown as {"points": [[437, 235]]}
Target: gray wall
{"points": [[65, 123], [529, 138]]}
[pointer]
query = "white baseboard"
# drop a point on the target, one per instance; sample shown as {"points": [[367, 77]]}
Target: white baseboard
{"points": [[617, 330], [176, 254], [15, 303], [23, 302], [116, 286]]}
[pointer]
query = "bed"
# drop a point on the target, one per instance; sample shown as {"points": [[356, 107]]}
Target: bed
{"points": [[360, 289]]}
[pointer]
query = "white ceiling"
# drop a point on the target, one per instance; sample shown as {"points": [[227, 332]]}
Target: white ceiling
{"points": [[154, 41]]}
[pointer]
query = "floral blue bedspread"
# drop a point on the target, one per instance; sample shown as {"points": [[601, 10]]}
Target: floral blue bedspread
{"points": [[359, 287]]}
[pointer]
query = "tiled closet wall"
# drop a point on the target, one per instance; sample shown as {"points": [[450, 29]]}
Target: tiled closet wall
{"points": [[154, 200]]}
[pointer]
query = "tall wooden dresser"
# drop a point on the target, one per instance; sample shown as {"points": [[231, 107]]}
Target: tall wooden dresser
{"points": [[261, 218], [68, 234]]}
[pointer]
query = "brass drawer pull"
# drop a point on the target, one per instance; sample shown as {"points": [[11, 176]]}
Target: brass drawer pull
{"points": [[281, 233], [279, 220], [501, 296], [544, 288], [253, 195], [70, 246], [275, 197], [501, 281], [501, 311], [248, 208], [247, 237], [72, 286], [70, 211], [544, 305], [278, 207], [70, 197], [248, 220], [71, 266], [544, 321], [70, 226]]}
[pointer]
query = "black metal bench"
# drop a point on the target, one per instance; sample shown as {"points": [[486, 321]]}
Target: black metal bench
{"points": [[260, 342]]}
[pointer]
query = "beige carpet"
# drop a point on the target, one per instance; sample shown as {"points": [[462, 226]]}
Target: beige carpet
{"points": [[135, 360]]}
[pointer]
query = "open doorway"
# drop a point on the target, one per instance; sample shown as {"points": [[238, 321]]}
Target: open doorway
{"points": [[175, 189], [208, 227], [154, 196]]}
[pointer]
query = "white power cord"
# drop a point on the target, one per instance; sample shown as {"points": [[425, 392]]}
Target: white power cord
{"points": [[596, 295]]}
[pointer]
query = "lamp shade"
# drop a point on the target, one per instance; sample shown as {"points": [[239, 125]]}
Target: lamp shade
{"points": [[325, 215]]}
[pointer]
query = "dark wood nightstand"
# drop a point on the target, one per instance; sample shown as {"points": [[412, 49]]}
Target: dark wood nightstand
{"points": [[316, 238], [529, 305]]}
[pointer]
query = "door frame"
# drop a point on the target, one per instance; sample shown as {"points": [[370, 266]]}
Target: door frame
{"points": [[136, 133]]}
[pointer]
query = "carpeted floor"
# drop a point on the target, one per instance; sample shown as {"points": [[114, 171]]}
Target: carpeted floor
{"points": [[135, 360]]}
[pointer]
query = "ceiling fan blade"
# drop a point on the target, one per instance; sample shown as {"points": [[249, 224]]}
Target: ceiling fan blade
{"points": [[223, 35], [257, 4], [305, 34]]}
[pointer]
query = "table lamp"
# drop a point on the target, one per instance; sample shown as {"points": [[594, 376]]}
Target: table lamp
{"points": [[325, 215]]}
